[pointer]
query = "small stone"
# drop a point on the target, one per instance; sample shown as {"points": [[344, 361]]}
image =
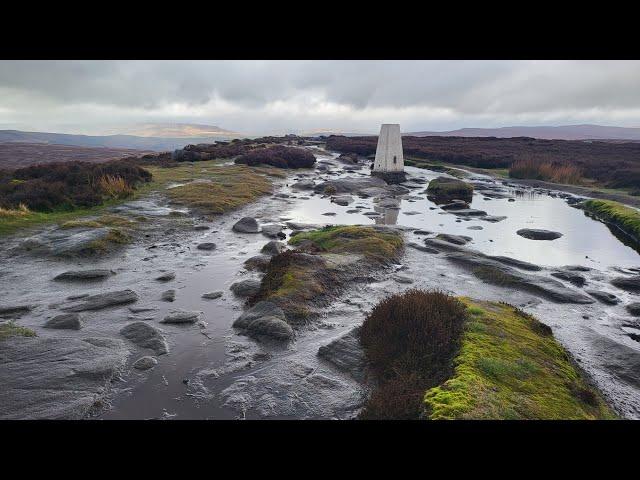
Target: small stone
{"points": [[145, 363], [182, 317], [247, 225], [206, 246], [70, 321], [168, 296], [212, 295], [166, 277]]}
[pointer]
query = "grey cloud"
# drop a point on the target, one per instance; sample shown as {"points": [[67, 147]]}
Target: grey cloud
{"points": [[349, 94]]}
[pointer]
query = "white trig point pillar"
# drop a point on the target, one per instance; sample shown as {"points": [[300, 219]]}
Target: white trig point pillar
{"points": [[389, 162]]}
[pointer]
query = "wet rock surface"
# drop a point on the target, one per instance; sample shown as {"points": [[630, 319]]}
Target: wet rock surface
{"points": [[247, 225], [604, 297], [346, 354], [56, 378], [82, 275], [245, 288], [103, 300], [14, 311], [538, 234], [182, 317], [71, 321], [206, 246], [145, 363], [146, 336], [65, 242], [630, 284]]}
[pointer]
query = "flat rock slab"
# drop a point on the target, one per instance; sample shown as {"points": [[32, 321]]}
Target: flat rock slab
{"points": [[14, 311], [604, 297], [342, 200], [245, 288], [182, 317], [572, 277], [70, 321], [103, 300], [65, 242], [212, 295], [497, 273], [538, 234], [246, 225], [346, 354], [168, 296], [455, 239], [207, 246], [81, 275], [634, 309], [146, 336], [56, 378], [350, 185], [166, 277], [630, 284]]}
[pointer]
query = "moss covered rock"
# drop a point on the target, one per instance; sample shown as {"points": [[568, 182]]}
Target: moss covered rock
{"points": [[444, 189]]}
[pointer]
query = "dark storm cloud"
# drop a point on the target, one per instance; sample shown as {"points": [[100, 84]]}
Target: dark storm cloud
{"points": [[258, 95]]}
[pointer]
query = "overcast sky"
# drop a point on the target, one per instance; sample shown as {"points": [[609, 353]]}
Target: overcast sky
{"points": [[289, 96]]}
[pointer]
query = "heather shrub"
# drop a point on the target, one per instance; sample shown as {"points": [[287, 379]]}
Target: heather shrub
{"points": [[69, 185], [410, 340], [278, 156]]}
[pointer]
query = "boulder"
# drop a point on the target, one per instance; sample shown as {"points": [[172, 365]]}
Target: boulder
{"points": [[346, 354], [71, 321], [207, 246], [82, 275], [145, 336], [246, 225], [258, 262], [273, 248], [271, 327], [538, 234], [445, 189], [261, 309], [182, 317], [145, 363], [350, 185], [103, 300]]}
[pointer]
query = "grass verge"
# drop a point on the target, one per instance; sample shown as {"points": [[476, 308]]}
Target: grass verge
{"points": [[510, 367], [625, 218]]}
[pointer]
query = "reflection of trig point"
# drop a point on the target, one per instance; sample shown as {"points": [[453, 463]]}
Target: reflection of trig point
{"points": [[389, 162]]}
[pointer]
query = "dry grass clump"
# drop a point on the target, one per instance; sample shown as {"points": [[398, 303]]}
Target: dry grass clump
{"points": [[410, 340], [547, 171], [114, 186], [11, 213]]}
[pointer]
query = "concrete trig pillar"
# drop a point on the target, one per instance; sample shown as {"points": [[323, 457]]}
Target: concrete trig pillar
{"points": [[389, 162]]}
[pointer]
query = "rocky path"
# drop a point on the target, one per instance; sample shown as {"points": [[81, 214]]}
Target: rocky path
{"points": [[148, 333]]}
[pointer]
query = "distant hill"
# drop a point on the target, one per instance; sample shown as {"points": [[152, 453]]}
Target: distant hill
{"points": [[564, 132], [178, 130], [17, 154], [106, 141], [327, 132]]}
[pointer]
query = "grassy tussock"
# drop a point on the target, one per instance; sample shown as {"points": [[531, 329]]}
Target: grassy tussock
{"points": [[115, 186], [376, 245], [626, 218], [410, 340], [510, 367], [223, 187], [13, 213], [547, 171], [10, 329]]}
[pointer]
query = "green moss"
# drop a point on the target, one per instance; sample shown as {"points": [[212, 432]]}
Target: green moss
{"points": [[623, 217], [10, 329], [445, 189], [381, 246], [509, 367]]}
